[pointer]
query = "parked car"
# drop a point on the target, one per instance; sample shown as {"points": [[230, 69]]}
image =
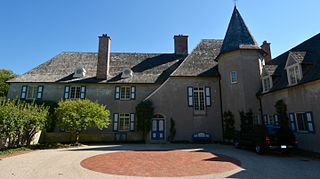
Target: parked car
{"points": [[264, 138]]}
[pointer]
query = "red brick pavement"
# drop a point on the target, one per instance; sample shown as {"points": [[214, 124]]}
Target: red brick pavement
{"points": [[160, 163]]}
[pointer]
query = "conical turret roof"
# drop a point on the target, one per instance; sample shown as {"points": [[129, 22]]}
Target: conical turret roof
{"points": [[238, 35]]}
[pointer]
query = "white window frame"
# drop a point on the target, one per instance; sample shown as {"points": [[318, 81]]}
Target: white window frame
{"points": [[75, 92], [124, 122], [233, 79], [199, 103], [34, 92], [297, 70], [127, 93], [305, 121], [264, 87]]}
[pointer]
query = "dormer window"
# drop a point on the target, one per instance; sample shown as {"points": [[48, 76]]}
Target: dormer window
{"points": [[266, 83], [293, 67], [294, 74], [79, 73]]}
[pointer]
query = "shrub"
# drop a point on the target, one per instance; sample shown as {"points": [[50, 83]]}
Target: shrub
{"points": [[76, 115]]}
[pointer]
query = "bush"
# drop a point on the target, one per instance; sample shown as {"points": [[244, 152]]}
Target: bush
{"points": [[76, 115], [20, 121]]}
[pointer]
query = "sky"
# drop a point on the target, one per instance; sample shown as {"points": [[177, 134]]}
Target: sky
{"points": [[34, 31]]}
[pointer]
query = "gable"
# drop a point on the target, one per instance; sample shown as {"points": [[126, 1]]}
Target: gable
{"points": [[201, 62]]}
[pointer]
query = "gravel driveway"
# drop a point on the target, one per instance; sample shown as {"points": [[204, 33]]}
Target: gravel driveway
{"points": [[65, 163]]}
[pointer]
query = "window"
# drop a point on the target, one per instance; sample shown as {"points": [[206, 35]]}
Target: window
{"points": [[266, 83], [198, 96], [124, 120], [75, 92], [125, 93], [302, 123], [233, 77], [32, 92], [256, 119], [294, 74]]}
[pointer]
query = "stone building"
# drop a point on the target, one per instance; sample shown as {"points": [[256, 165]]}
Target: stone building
{"points": [[192, 89]]}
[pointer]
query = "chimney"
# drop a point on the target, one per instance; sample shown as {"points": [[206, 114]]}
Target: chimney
{"points": [[103, 57], [181, 44], [266, 48]]}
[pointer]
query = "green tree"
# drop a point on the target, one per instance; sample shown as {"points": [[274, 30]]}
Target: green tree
{"points": [[76, 115], [281, 108], [20, 121], [145, 112], [229, 129], [5, 75]]}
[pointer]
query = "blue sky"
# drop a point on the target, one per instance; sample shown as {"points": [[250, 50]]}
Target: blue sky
{"points": [[33, 31]]}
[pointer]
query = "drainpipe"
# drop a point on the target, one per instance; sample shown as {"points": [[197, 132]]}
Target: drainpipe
{"points": [[221, 108]]}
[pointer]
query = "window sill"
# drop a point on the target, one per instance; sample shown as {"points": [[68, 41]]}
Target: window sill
{"points": [[199, 113]]}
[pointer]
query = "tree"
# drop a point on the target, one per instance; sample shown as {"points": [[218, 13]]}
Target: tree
{"points": [[5, 75], [281, 108], [145, 112], [20, 121], [76, 115], [229, 129]]}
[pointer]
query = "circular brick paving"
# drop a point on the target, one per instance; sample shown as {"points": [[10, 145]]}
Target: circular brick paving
{"points": [[160, 163]]}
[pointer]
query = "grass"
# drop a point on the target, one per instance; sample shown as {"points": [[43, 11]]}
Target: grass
{"points": [[14, 150], [11, 151]]}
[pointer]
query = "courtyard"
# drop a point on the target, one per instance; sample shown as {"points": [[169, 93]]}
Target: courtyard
{"points": [[156, 161]]}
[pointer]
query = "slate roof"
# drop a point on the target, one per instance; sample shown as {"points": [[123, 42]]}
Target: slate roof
{"points": [[309, 54], [146, 67], [269, 69], [238, 35], [201, 62]]}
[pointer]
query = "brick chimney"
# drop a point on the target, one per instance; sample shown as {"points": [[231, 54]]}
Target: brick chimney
{"points": [[181, 44], [103, 57], [266, 48]]}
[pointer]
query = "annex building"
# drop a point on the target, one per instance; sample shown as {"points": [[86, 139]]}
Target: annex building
{"points": [[193, 89]]}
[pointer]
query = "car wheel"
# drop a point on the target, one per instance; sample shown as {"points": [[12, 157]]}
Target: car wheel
{"points": [[236, 144], [259, 149]]}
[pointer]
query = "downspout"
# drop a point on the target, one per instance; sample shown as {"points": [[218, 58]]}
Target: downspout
{"points": [[261, 109], [221, 108]]}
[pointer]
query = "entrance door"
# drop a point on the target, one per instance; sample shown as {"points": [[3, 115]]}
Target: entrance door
{"points": [[157, 132]]}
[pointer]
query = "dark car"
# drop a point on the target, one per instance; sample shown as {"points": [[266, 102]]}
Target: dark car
{"points": [[264, 138]]}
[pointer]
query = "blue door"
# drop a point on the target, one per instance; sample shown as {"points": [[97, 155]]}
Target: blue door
{"points": [[157, 132]]}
